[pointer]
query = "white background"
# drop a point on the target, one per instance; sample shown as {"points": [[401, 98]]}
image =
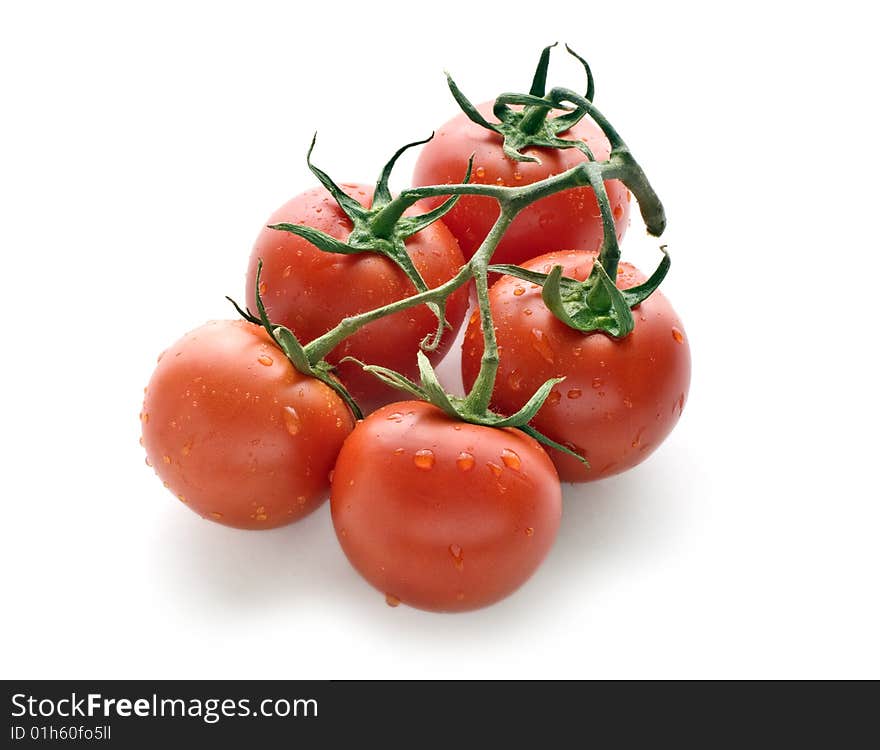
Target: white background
{"points": [[143, 147]]}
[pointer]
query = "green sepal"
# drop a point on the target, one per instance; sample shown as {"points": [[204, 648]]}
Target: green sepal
{"points": [[431, 386], [531, 407], [542, 438], [532, 127], [431, 391], [316, 237], [635, 295], [539, 81], [290, 345], [592, 305], [390, 377], [409, 225], [382, 194], [349, 205]]}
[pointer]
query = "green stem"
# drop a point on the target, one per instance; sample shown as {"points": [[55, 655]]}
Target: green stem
{"points": [[477, 401], [533, 118], [320, 347], [609, 254]]}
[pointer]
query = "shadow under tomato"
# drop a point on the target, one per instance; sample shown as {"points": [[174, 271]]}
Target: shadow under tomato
{"points": [[209, 566]]}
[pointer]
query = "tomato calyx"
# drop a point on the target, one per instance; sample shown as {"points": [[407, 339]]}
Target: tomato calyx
{"points": [[595, 304], [298, 355], [430, 390], [376, 231], [530, 126]]}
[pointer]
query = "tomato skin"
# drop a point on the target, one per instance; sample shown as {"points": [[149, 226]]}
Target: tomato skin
{"points": [[620, 398], [443, 531], [309, 290], [568, 220], [236, 432]]}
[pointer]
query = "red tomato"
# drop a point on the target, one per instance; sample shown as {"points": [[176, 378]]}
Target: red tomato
{"points": [[568, 220], [236, 432], [620, 398], [309, 290], [440, 514]]}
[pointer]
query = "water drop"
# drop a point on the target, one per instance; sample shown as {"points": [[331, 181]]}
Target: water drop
{"points": [[216, 516], [465, 461], [554, 398], [574, 393], [527, 311], [291, 420], [166, 459], [424, 459], [148, 462], [517, 176], [494, 468], [398, 451], [530, 531], [186, 448], [395, 417], [391, 600], [480, 172], [511, 459], [286, 272], [627, 402], [677, 335], [597, 382], [263, 288], [457, 557], [518, 292], [541, 345], [265, 360]]}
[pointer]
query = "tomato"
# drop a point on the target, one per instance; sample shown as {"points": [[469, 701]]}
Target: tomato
{"points": [[441, 514], [568, 220], [620, 397], [309, 290], [236, 432]]}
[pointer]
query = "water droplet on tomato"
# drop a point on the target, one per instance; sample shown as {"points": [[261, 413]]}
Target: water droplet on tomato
{"points": [[166, 459], [554, 398], [457, 557], [398, 451], [541, 345], [519, 292], [494, 468], [527, 311], [263, 287], [391, 600], [465, 461], [216, 516], [286, 272], [517, 176], [544, 221], [677, 335], [186, 448], [145, 417], [627, 402], [148, 462], [499, 181], [265, 360], [530, 531], [395, 417], [511, 459], [618, 211], [181, 498], [480, 172], [597, 382], [574, 393], [424, 459], [291, 420]]}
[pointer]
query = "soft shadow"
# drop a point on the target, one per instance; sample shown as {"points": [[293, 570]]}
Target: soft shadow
{"points": [[206, 566]]}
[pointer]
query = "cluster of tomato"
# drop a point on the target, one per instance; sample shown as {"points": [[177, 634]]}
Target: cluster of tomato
{"points": [[439, 502]]}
